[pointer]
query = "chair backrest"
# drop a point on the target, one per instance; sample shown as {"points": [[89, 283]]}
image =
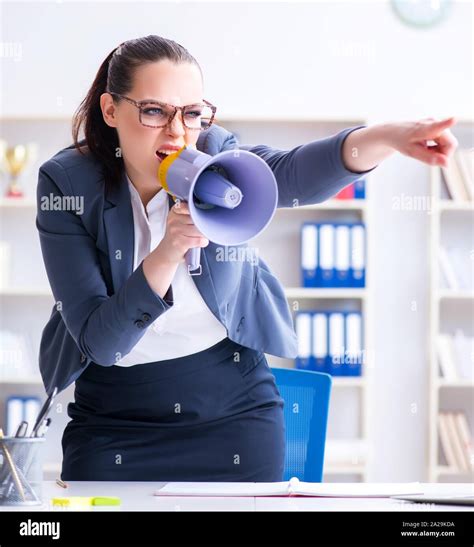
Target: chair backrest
{"points": [[306, 395]]}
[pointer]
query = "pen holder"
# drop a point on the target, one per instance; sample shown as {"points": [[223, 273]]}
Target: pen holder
{"points": [[21, 470]]}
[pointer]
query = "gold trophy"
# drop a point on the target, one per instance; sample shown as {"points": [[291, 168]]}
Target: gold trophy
{"points": [[14, 160]]}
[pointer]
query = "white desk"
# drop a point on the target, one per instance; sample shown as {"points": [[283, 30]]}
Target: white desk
{"points": [[138, 496]]}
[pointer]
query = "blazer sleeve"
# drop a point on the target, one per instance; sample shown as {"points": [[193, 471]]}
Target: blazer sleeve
{"points": [[105, 328], [309, 173]]}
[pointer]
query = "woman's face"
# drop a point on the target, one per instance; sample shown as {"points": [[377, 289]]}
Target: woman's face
{"points": [[164, 81]]}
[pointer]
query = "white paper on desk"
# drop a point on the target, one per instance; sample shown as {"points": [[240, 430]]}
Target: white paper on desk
{"points": [[293, 487], [355, 490], [223, 489]]}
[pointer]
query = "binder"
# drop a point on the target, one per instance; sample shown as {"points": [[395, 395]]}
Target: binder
{"points": [[309, 254], [303, 333], [21, 408], [333, 254], [358, 254], [14, 410], [336, 344], [342, 255], [326, 276], [320, 337], [354, 346], [359, 189]]}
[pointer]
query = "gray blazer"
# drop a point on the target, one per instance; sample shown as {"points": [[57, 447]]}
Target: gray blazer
{"points": [[102, 308]]}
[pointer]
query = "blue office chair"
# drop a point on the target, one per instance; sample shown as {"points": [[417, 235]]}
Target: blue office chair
{"points": [[306, 395]]}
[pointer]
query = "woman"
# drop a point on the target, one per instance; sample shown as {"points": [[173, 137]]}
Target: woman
{"points": [[171, 378]]}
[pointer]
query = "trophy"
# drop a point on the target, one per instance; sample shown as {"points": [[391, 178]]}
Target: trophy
{"points": [[14, 160]]}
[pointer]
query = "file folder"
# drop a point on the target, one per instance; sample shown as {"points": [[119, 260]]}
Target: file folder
{"points": [[342, 258], [320, 339], [358, 255], [309, 254], [336, 344], [354, 345], [359, 189], [303, 333], [326, 255]]}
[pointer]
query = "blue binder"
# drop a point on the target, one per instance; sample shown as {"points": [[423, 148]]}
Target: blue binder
{"points": [[345, 343], [358, 255], [354, 337], [359, 189], [303, 332], [333, 254], [309, 254], [320, 341]]}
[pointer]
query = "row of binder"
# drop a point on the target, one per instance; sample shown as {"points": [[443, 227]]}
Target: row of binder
{"points": [[356, 190], [20, 408], [330, 341], [333, 254]]}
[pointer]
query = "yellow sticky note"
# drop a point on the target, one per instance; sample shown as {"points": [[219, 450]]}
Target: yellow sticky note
{"points": [[78, 502], [75, 502]]}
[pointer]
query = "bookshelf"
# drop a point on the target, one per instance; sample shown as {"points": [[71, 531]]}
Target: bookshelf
{"points": [[29, 294], [451, 222], [350, 400]]}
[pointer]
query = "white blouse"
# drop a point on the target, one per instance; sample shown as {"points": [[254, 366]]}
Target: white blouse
{"points": [[188, 326]]}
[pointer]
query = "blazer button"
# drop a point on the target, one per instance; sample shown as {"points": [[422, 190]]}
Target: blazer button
{"points": [[146, 317], [139, 323], [83, 357]]}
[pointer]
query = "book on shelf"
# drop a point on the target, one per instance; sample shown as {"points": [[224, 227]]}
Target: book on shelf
{"points": [[456, 440], [455, 356], [458, 175], [293, 487]]}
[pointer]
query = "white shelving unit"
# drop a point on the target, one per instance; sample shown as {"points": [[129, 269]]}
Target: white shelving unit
{"points": [[444, 394]]}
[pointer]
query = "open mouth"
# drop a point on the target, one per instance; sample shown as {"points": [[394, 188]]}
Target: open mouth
{"points": [[163, 155]]}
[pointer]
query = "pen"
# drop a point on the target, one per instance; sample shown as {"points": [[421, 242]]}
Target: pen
{"points": [[61, 483], [22, 428], [41, 431], [44, 411]]}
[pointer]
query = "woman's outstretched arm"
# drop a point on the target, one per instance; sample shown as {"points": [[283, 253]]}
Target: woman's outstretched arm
{"points": [[367, 147]]}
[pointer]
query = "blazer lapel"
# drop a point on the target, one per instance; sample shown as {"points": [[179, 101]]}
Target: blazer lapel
{"points": [[119, 230]]}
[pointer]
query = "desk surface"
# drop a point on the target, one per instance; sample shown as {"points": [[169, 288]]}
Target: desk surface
{"points": [[138, 496]]}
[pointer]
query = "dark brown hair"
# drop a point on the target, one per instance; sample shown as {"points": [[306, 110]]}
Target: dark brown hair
{"points": [[116, 75]]}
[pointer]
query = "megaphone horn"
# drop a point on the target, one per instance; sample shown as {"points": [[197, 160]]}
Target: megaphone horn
{"points": [[231, 196]]}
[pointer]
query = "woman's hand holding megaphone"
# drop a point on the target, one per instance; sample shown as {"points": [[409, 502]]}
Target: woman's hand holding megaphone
{"points": [[181, 232], [181, 235]]}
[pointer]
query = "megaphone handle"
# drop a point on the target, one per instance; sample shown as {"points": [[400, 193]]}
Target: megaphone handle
{"points": [[193, 260]]}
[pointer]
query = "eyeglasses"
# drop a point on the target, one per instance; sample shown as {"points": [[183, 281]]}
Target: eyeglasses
{"points": [[196, 117]]}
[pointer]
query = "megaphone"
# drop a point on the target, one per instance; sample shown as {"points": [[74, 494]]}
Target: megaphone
{"points": [[231, 196]]}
